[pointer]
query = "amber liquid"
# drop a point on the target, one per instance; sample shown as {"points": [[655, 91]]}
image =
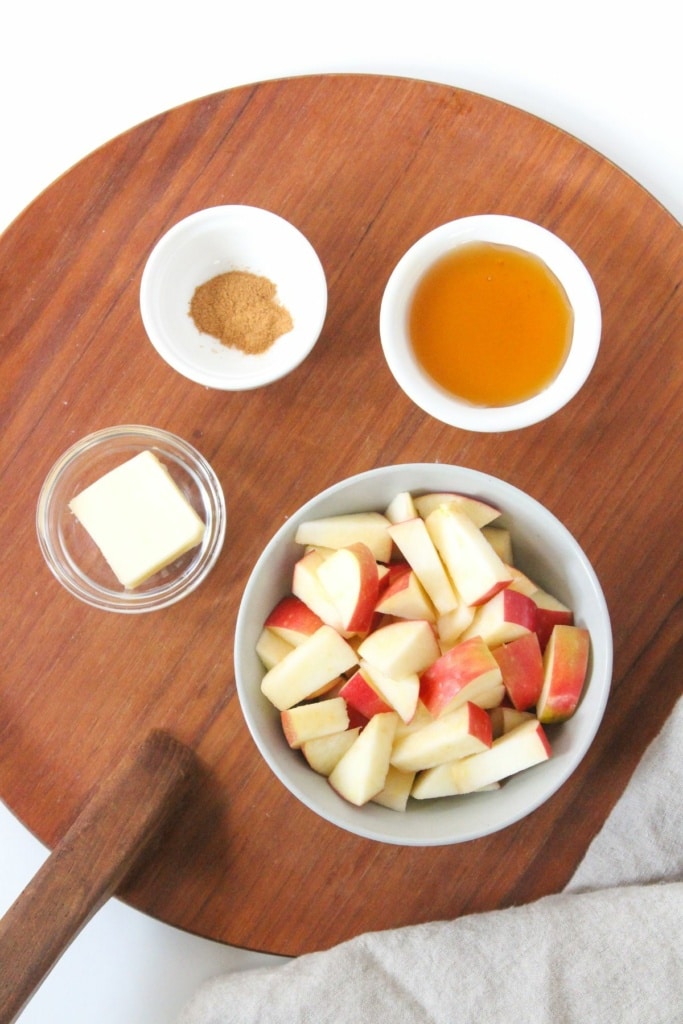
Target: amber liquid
{"points": [[491, 324]]}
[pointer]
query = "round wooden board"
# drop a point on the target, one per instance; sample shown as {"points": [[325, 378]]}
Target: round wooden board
{"points": [[363, 165]]}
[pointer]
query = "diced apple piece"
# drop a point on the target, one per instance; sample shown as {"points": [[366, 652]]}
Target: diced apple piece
{"points": [[405, 598], [521, 664], [397, 787], [508, 615], [368, 528], [549, 613], [400, 694], [293, 620], [451, 626], [465, 670], [401, 648], [318, 661], [361, 773], [501, 541], [350, 580], [513, 752], [271, 648], [475, 568], [415, 544], [361, 695], [565, 664], [324, 752], [308, 721], [480, 512], [458, 734], [504, 719], [307, 587], [438, 781], [401, 507]]}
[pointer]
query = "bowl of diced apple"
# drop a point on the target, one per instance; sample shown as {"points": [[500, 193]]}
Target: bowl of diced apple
{"points": [[423, 654]]}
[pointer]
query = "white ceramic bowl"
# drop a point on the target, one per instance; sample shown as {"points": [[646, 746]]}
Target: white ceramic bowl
{"points": [[215, 241], [543, 547], [520, 234], [73, 557]]}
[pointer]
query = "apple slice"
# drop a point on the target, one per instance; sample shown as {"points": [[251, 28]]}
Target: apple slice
{"points": [[508, 615], [307, 587], [475, 568], [413, 541], [324, 752], [480, 512], [549, 613], [504, 719], [308, 721], [361, 695], [521, 664], [315, 663], [271, 648], [369, 528], [513, 752], [401, 695], [458, 734], [437, 782], [401, 648], [405, 598], [565, 666], [401, 507], [465, 671], [292, 620], [349, 578], [397, 787], [362, 771]]}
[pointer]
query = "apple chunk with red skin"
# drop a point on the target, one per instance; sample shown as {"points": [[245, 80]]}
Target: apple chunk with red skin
{"points": [[292, 620], [361, 695], [550, 612], [324, 752], [369, 528], [307, 587], [508, 615], [350, 579], [565, 665], [405, 598], [458, 734], [308, 668], [476, 570], [401, 648], [362, 771], [466, 670], [413, 541], [480, 512], [308, 721], [513, 752], [521, 664]]}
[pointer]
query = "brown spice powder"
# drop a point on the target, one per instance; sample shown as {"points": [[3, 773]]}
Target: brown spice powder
{"points": [[241, 310]]}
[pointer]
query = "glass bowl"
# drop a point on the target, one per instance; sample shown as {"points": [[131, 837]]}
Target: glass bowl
{"points": [[72, 555]]}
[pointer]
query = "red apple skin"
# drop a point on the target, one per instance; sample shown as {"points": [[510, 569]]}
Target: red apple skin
{"points": [[445, 678], [361, 616], [479, 724], [565, 664], [521, 664], [549, 613], [362, 697], [292, 615]]}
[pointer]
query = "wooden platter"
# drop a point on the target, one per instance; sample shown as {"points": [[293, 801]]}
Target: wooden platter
{"points": [[363, 165]]}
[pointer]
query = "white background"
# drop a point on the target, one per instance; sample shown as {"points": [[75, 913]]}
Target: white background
{"points": [[75, 74]]}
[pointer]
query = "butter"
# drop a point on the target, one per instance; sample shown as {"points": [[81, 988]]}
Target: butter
{"points": [[139, 519]]}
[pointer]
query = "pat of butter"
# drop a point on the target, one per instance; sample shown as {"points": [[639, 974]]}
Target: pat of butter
{"points": [[139, 518]]}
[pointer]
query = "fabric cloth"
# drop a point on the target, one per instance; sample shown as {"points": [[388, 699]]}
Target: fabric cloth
{"points": [[608, 948]]}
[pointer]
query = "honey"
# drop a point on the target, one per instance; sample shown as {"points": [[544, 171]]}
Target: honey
{"points": [[491, 324]]}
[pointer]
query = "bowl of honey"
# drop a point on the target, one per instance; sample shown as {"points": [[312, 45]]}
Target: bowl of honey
{"points": [[490, 323]]}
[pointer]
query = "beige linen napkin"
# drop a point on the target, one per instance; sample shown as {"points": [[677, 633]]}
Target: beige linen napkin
{"points": [[608, 948]]}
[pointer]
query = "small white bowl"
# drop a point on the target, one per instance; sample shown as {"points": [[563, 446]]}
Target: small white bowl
{"points": [[543, 548], [72, 556], [504, 230], [215, 241]]}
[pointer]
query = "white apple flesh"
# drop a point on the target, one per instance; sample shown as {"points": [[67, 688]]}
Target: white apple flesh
{"points": [[369, 528], [513, 752], [362, 771], [308, 668], [458, 734], [475, 568], [308, 721]]}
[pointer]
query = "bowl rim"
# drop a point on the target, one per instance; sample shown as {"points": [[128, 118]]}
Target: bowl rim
{"points": [[257, 370], [516, 232], [302, 782], [132, 438]]}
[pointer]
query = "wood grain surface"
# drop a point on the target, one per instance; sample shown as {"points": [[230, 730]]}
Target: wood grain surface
{"points": [[363, 165]]}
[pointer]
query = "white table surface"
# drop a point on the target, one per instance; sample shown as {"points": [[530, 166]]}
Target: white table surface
{"points": [[74, 75]]}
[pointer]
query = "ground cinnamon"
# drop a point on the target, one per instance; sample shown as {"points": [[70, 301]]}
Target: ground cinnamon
{"points": [[241, 310]]}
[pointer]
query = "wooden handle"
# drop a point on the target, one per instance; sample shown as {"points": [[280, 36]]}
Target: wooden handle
{"points": [[100, 849]]}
